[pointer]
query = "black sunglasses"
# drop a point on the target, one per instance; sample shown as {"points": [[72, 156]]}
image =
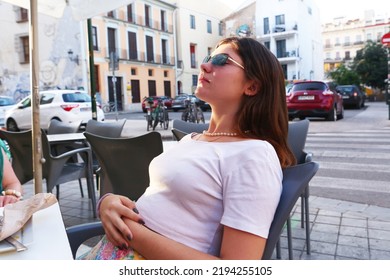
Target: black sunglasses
{"points": [[220, 60]]}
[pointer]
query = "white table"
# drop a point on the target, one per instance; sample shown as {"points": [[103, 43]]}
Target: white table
{"points": [[49, 241]]}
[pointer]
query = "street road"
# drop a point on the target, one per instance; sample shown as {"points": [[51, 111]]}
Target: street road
{"points": [[353, 153]]}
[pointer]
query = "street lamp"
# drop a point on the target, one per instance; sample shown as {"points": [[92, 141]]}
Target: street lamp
{"points": [[75, 58]]}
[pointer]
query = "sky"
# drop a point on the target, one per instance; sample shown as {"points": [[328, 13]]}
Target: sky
{"points": [[330, 9]]}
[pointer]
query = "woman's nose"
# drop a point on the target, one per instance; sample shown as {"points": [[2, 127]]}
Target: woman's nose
{"points": [[205, 66]]}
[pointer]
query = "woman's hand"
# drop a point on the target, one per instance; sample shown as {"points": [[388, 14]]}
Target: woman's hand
{"points": [[113, 210], [8, 199]]}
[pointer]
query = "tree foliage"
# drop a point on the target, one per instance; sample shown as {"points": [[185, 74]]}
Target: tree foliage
{"points": [[345, 76], [370, 63]]}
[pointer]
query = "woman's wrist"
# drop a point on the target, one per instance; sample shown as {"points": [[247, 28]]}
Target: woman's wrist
{"points": [[100, 202], [13, 192]]}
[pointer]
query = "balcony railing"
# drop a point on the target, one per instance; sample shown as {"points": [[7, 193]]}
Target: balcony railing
{"points": [[126, 55], [141, 21]]}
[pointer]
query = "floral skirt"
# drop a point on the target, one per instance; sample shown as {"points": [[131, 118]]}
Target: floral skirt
{"points": [[105, 250]]}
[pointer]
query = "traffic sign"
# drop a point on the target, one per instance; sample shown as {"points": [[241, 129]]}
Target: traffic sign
{"points": [[386, 39]]}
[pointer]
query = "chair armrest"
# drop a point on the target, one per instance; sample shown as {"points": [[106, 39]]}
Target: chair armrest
{"points": [[309, 156], [80, 233], [73, 152]]}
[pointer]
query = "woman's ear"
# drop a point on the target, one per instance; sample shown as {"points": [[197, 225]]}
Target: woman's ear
{"points": [[251, 89]]}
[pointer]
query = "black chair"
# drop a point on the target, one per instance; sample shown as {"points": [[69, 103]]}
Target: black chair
{"points": [[78, 234], [295, 180], [297, 134], [181, 128], [56, 170], [125, 162], [189, 127], [178, 134], [112, 129], [59, 127], [125, 171]]}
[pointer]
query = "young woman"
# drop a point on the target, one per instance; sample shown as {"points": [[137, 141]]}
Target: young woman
{"points": [[10, 187], [213, 196]]}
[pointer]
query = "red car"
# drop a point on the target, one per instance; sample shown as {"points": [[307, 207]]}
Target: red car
{"points": [[166, 100], [314, 99]]}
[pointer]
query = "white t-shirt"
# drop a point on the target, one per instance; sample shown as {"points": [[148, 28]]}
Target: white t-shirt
{"points": [[197, 187]]}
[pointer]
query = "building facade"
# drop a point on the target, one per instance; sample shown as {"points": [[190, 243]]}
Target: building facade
{"points": [[134, 52], [343, 37], [62, 64], [291, 29]]}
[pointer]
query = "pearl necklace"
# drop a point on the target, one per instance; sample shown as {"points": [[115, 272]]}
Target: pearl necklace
{"points": [[216, 134]]}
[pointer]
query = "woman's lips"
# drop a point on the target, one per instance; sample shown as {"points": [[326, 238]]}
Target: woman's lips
{"points": [[203, 80]]}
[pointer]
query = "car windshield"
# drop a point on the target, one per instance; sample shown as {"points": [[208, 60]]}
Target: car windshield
{"points": [[309, 86], [76, 97], [346, 89], [6, 101]]}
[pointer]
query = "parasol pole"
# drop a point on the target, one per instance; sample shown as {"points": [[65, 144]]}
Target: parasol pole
{"points": [[34, 84], [92, 70]]}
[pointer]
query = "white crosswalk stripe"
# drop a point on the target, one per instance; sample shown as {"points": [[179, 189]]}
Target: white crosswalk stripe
{"points": [[353, 164]]}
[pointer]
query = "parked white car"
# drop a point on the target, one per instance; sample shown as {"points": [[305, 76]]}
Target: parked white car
{"points": [[64, 105], [6, 103]]}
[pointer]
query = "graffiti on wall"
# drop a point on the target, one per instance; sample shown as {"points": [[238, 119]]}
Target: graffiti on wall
{"points": [[56, 68]]}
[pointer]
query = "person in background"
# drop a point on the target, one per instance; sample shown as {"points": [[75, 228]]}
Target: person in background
{"points": [[10, 188], [215, 194]]}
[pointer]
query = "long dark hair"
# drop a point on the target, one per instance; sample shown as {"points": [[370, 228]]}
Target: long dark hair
{"points": [[264, 115]]}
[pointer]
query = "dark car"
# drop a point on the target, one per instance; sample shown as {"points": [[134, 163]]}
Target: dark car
{"points": [[314, 99], [167, 101], [179, 102], [352, 95]]}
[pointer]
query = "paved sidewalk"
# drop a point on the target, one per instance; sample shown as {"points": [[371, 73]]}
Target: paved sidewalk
{"points": [[342, 230]]}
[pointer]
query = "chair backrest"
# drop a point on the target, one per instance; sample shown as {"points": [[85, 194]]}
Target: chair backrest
{"points": [[59, 127], [125, 162], [112, 129], [297, 134], [20, 144], [189, 127], [78, 234], [178, 134], [295, 180]]}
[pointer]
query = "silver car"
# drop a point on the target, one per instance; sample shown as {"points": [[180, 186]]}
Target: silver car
{"points": [[64, 105], [6, 103]]}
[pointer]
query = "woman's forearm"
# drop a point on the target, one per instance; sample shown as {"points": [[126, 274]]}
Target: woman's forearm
{"points": [[153, 246]]}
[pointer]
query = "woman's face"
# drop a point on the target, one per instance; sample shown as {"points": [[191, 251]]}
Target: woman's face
{"points": [[222, 85]]}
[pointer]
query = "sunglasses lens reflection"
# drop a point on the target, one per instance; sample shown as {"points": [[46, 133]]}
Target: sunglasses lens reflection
{"points": [[219, 59]]}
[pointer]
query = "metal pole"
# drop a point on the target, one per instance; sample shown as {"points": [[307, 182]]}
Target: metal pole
{"points": [[92, 70], [113, 65], [34, 81], [388, 78], [114, 91]]}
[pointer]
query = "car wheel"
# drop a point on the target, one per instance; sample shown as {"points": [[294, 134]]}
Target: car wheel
{"points": [[341, 115], [358, 105], [332, 115], [12, 126]]}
